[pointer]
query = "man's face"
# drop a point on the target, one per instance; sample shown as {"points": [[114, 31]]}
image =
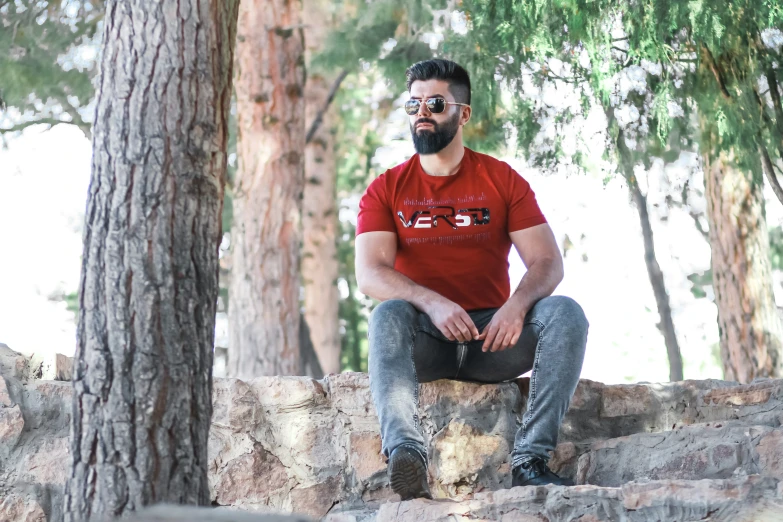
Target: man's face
{"points": [[433, 132]]}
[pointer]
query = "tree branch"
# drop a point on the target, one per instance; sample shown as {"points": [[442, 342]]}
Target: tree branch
{"points": [[320, 116], [772, 82], [708, 58], [77, 120], [694, 215], [22, 126], [766, 162]]}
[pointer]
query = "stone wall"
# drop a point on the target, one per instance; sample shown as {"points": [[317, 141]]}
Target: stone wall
{"points": [[295, 444]]}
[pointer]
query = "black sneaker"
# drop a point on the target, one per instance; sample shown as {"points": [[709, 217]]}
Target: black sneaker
{"points": [[408, 474], [535, 472]]}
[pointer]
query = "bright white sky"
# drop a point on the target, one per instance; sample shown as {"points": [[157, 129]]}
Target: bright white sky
{"points": [[44, 178]]}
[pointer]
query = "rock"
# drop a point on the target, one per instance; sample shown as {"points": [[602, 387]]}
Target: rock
{"points": [[253, 479], [283, 444], [13, 364], [172, 513], [17, 508], [49, 464], [11, 426], [11, 420], [318, 499], [747, 499], [462, 453], [692, 452], [5, 395], [57, 367], [366, 458]]}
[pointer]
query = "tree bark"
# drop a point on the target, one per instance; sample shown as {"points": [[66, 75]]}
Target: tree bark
{"points": [[264, 290], [751, 333], [319, 215], [149, 279]]}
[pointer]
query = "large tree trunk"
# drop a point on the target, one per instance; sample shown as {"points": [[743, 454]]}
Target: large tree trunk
{"points": [[319, 213], [264, 289], [751, 333], [149, 280]]}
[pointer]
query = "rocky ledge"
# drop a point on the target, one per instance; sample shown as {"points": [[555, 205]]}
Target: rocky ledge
{"points": [[677, 451]]}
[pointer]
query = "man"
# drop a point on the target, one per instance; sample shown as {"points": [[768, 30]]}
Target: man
{"points": [[433, 239]]}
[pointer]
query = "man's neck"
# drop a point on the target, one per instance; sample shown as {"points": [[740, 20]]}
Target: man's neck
{"points": [[446, 162]]}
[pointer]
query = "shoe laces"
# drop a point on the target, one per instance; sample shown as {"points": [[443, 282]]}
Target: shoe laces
{"points": [[538, 466]]}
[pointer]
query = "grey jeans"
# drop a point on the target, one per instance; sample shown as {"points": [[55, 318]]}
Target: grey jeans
{"points": [[407, 349]]}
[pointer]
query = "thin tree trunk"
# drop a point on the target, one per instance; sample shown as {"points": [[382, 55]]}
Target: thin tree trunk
{"points": [[666, 324], [264, 289], [319, 216], [149, 280], [751, 333]]}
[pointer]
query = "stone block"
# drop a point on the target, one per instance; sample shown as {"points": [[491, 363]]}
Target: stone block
{"points": [[18, 508], [57, 367], [689, 453], [11, 426], [366, 458]]}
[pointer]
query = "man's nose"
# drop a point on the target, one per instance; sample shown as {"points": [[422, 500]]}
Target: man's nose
{"points": [[423, 110]]}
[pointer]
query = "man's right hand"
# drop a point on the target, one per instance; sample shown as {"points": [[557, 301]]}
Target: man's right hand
{"points": [[452, 321]]}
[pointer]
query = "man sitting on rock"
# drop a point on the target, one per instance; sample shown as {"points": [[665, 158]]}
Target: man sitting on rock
{"points": [[433, 239]]}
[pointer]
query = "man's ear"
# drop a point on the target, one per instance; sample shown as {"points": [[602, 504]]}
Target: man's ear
{"points": [[465, 117]]}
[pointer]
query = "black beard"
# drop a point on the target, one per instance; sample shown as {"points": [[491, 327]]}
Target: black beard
{"points": [[427, 141]]}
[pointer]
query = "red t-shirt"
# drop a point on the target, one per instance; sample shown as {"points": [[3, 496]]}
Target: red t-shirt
{"points": [[452, 231]]}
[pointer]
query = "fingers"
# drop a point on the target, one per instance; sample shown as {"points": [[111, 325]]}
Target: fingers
{"points": [[463, 330], [499, 337], [470, 332], [489, 334]]}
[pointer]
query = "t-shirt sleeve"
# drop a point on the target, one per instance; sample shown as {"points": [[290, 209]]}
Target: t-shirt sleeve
{"points": [[523, 210], [375, 213]]}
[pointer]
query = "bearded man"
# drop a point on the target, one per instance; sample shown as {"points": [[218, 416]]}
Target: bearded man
{"points": [[433, 238]]}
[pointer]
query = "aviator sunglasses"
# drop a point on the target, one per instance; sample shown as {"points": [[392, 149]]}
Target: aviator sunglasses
{"points": [[434, 105]]}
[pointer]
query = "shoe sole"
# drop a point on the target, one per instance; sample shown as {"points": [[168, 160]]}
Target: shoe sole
{"points": [[408, 476]]}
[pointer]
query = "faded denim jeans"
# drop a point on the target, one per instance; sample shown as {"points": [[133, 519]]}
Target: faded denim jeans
{"points": [[406, 349]]}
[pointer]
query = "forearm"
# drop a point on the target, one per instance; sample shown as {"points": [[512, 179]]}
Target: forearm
{"points": [[384, 283], [540, 280]]}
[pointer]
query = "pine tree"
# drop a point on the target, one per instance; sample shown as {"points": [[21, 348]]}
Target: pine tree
{"points": [[142, 398]]}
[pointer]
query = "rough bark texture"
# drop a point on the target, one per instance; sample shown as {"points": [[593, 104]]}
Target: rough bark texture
{"points": [[264, 290], [149, 279], [751, 334], [666, 325], [319, 213]]}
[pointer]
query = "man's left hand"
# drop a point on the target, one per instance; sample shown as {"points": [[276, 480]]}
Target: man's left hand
{"points": [[504, 329]]}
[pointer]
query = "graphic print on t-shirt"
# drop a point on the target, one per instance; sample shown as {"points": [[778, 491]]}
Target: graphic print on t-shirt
{"points": [[447, 214]]}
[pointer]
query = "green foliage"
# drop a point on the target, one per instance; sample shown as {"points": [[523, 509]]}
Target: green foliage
{"points": [[776, 247], [47, 57]]}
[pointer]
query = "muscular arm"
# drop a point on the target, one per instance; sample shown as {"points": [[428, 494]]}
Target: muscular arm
{"points": [[377, 278], [539, 252]]}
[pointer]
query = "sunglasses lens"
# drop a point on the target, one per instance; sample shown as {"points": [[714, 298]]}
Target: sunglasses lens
{"points": [[436, 105], [412, 106]]}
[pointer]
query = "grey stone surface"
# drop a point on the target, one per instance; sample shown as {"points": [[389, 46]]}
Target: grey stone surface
{"points": [[691, 452], [295, 444], [174, 513], [748, 499]]}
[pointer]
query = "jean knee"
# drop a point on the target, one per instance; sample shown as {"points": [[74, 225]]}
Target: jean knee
{"points": [[394, 313], [571, 314]]}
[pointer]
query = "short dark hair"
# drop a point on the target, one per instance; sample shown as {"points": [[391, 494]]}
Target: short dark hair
{"points": [[445, 70]]}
